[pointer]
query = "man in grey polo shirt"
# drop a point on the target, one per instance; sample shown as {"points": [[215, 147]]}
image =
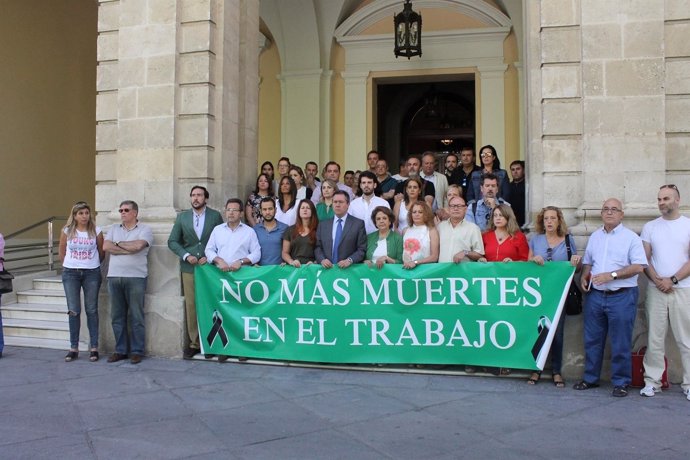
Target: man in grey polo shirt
{"points": [[128, 244]]}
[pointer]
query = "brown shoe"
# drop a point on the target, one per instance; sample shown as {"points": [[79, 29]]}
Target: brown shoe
{"points": [[136, 359], [115, 357], [222, 358]]}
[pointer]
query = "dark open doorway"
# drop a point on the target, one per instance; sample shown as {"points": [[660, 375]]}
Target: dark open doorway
{"points": [[414, 117]]}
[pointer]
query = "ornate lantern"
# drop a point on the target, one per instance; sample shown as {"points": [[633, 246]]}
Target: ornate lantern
{"points": [[408, 32]]}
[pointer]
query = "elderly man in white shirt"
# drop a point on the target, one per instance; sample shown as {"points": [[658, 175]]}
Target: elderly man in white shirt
{"points": [[439, 180], [234, 244], [461, 241]]}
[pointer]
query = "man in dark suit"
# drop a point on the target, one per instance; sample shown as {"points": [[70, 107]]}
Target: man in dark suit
{"points": [[188, 240], [345, 230]]}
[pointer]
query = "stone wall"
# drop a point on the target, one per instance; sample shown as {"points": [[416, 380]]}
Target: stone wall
{"points": [[608, 115], [177, 106]]}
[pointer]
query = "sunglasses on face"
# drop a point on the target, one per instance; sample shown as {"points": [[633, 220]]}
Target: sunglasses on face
{"points": [[123, 210]]}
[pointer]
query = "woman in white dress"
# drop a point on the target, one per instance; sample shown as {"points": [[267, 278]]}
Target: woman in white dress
{"points": [[420, 238]]}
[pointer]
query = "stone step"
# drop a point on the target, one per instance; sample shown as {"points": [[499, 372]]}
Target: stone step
{"points": [[34, 296], [41, 312], [50, 283], [38, 329], [37, 342]]}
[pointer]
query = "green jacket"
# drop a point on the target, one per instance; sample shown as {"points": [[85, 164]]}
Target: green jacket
{"points": [[183, 239], [394, 243]]}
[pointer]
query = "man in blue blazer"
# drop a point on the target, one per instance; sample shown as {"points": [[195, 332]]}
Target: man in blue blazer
{"points": [[188, 240], [347, 230]]}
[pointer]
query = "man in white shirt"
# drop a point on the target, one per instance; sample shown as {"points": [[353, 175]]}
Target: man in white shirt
{"points": [[362, 206], [439, 180], [461, 241], [234, 244], [666, 241], [613, 259]]}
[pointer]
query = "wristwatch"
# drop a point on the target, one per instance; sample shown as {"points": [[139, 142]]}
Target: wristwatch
{"points": [[614, 275], [674, 280]]}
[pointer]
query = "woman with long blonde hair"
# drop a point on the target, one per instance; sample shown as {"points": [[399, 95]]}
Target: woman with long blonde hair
{"points": [[81, 253]]}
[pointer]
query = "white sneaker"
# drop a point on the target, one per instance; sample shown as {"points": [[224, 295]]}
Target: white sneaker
{"points": [[687, 393], [650, 391]]}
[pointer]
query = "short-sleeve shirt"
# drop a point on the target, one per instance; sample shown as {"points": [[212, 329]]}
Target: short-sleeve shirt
{"points": [[301, 247], [130, 265], [611, 251], [271, 243], [82, 250], [465, 236], [670, 241], [540, 245]]}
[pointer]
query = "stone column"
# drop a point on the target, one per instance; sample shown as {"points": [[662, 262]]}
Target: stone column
{"points": [[302, 115], [177, 106], [355, 119], [493, 123]]}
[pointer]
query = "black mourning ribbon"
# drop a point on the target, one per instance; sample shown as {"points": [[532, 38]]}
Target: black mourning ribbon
{"points": [[543, 327], [217, 330]]}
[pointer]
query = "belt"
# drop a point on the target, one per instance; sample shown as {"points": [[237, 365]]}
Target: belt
{"points": [[614, 292]]}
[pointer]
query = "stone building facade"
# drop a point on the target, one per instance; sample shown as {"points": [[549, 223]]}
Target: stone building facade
{"points": [[594, 95]]}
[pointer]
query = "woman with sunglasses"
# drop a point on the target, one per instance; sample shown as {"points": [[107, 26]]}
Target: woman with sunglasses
{"points": [[488, 157], [549, 244], [81, 253]]}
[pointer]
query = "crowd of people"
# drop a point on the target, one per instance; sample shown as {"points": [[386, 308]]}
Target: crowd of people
{"points": [[467, 213]]}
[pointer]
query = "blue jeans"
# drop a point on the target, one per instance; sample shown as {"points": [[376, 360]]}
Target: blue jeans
{"points": [[2, 337], [74, 280], [612, 314], [127, 305]]}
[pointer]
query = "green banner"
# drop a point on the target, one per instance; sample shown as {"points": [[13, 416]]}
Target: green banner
{"points": [[492, 314]]}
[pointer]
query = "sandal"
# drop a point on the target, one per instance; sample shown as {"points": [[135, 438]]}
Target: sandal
{"points": [[71, 356], [534, 378], [584, 385], [558, 383], [93, 356]]}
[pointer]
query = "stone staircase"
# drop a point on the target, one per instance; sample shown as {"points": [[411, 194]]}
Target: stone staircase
{"points": [[39, 317]]}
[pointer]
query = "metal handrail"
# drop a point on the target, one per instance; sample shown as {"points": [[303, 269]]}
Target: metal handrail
{"points": [[49, 245]]}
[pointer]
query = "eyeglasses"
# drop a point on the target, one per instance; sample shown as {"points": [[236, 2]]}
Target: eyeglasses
{"points": [[232, 210], [610, 210], [123, 210], [486, 154], [457, 206], [549, 254]]}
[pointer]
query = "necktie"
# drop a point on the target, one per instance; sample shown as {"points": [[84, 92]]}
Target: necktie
{"points": [[197, 228], [336, 241]]}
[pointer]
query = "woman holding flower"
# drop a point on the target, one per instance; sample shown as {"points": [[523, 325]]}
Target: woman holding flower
{"points": [[420, 238]]}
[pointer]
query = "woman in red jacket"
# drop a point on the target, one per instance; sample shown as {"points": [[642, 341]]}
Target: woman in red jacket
{"points": [[504, 242]]}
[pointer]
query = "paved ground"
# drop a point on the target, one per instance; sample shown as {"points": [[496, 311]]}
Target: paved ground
{"points": [[195, 409]]}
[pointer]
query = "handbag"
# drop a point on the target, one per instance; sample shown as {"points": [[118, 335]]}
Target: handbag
{"points": [[5, 279], [6, 282], [573, 301]]}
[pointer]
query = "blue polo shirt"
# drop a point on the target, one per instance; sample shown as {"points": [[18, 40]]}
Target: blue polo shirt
{"points": [[271, 243]]}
